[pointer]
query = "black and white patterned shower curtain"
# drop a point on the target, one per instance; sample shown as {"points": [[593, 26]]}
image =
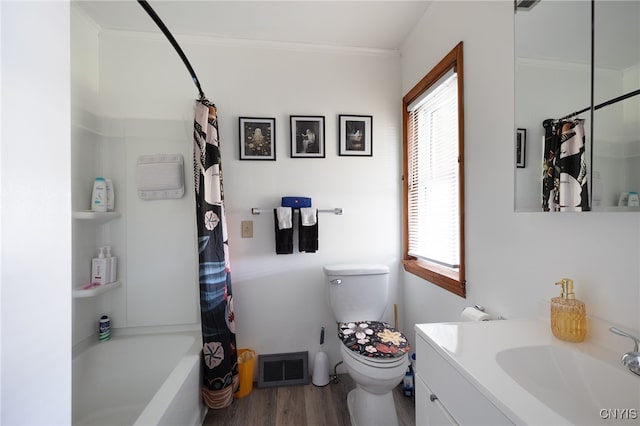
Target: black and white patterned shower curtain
{"points": [[219, 355], [564, 180]]}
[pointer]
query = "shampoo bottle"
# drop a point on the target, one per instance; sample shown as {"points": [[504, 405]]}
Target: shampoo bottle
{"points": [[110, 194], [112, 265], [568, 314], [100, 269], [99, 195]]}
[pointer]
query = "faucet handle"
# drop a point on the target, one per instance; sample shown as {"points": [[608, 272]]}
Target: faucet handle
{"points": [[625, 334], [632, 361]]}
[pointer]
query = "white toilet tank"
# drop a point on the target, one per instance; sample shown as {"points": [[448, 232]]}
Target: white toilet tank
{"points": [[358, 292]]}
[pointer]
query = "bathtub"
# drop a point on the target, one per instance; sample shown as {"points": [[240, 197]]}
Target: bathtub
{"points": [[149, 379]]}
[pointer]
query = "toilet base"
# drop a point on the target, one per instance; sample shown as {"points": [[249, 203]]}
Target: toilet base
{"points": [[371, 409]]}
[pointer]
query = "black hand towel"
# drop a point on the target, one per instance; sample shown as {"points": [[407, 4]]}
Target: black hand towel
{"points": [[308, 235], [284, 237]]}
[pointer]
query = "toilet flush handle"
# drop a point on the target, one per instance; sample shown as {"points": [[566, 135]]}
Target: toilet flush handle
{"points": [[336, 281]]}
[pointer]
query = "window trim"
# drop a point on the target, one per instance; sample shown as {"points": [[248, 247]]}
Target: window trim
{"points": [[446, 278]]}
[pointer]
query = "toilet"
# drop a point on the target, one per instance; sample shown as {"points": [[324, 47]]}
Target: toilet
{"points": [[374, 353]]}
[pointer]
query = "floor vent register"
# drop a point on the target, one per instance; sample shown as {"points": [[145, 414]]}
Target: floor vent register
{"points": [[283, 369]]}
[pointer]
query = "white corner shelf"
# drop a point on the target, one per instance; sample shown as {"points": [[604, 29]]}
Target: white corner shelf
{"points": [[98, 218], [79, 292]]}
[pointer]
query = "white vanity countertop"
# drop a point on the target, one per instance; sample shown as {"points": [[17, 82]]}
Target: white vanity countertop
{"points": [[471, 348]]}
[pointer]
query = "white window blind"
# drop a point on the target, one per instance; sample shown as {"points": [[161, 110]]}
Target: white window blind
{"points": [[433, 184]]}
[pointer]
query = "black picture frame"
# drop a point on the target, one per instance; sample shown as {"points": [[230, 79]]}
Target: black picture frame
{"points": [[355, 135], [257, 137], [307, 136], [521, 148]]}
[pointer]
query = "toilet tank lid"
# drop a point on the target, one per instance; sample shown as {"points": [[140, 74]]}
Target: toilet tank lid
{"points": [[356, 269]]}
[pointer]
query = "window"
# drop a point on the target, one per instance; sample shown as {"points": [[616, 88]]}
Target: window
{"points": [[433, 138]]}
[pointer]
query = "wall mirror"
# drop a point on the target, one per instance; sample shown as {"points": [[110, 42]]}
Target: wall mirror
{"points": [[577, 62]]}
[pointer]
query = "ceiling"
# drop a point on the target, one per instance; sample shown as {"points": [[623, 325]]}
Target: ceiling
{"points": [[378, 24], [361, 24]]}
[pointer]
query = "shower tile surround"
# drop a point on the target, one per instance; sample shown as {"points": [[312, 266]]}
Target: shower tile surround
{"points": [[134, 237]]}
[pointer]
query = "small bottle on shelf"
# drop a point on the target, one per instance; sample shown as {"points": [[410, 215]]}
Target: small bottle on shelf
{"points": [[99, 195], [112, 265], [99, 269]]}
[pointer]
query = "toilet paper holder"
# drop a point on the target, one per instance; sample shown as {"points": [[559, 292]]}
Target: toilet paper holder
{"points": [[472, 313]]}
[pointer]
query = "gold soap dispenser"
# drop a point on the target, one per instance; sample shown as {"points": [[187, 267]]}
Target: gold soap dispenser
{"points": [[568, 314]]}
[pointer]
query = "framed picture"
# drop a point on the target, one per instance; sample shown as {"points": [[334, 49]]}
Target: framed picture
{"points": [[307, 136], [257, 138], [521, 147], [355, 137]]}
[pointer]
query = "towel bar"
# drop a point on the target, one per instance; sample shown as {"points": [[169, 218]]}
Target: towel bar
{"points": [[336, 211]]}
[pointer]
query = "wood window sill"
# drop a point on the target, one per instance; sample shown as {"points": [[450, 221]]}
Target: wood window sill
{"points": [[436, 274]]}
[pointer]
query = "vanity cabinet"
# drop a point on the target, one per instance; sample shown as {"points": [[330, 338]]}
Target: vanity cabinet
{"points": [[517, 372], [446, 397], [429, 409]]}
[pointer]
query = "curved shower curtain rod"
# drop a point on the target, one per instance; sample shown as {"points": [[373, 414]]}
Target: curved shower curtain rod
{"points": [[174, 43], [604, 104]]}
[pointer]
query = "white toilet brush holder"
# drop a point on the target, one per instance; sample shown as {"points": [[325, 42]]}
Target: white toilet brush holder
{"points": [[321, 370], [321, 365]]}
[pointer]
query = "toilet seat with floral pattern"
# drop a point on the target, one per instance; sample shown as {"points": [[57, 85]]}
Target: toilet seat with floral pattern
{"points": [[374, 339]]}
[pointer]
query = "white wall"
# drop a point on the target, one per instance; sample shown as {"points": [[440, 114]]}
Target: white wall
{"points": [[146, 92], [35, 374], [85, 76], [513, 259]]}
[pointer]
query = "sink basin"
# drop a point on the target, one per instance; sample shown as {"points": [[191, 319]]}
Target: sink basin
{"points": [[581, 388]]}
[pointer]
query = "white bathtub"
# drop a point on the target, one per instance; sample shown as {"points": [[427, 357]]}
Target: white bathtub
{"points": [[150, 379]]}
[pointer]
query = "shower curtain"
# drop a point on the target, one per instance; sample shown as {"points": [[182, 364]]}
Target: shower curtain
{"points": [[564, 181], [219, 355]]}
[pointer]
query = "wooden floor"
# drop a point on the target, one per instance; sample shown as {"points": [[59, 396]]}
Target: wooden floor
{"points": [[304, 405]]}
